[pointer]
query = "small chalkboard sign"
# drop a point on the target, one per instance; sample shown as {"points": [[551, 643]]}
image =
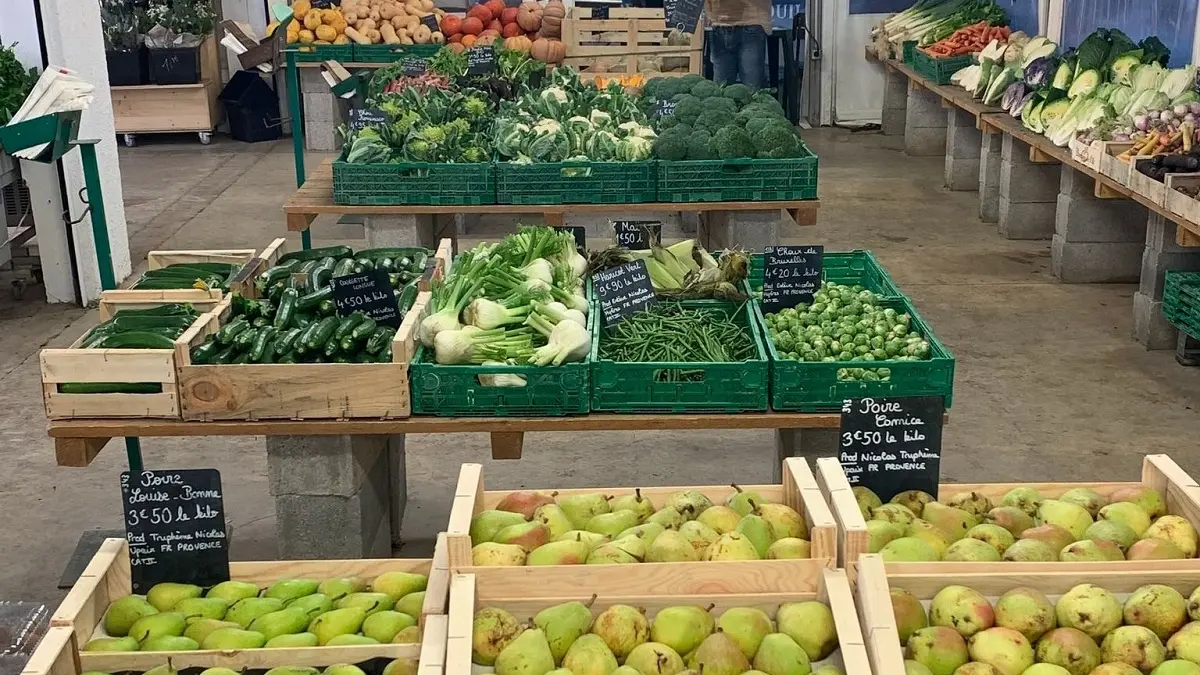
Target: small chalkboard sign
{"points": [[664, 108], [683, 14], [175, 524], [600, 12], [413, 66], [481, 60], [577, 231], [637, 235], [431, 21], [623, 291], [361, 118], [892, 444], [791, 274], [369, 292]]}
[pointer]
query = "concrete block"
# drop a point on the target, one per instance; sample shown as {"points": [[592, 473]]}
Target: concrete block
{"points": [[963, 140], [924, 141], [1013, 150], [1093, 262], [925, 109], [893, 121], [1156, 263], [397, 485], [989, 178], [1087, 219], [1150, 327], [400, 230], [1021, 220], [1028, 182], [321, 465], [895, 91], [1160, 235], [962, 174], [751, 230], [1078, 184]]}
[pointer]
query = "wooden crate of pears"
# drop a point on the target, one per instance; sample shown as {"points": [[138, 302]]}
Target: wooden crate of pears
{"points": [[270, 614], [1147, 524], [594, 631], [653, 540]]}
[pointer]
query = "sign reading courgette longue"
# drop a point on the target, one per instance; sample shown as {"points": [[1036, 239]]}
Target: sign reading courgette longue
{"points": [[623, 291], [175, 524], [369, 292], [892, 444]]}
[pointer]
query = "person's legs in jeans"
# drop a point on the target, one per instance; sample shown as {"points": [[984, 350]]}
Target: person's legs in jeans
{"points": [[724, 52], [752, 56]]}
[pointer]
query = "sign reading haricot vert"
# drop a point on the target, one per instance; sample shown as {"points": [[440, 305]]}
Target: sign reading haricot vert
{"points": [[892, 444], [623, 291]]}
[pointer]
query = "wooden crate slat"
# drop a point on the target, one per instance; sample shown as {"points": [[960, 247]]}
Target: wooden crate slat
{"points": [[433, 646], [111, 301], [56, 654], [108, 365], [234, 256]]}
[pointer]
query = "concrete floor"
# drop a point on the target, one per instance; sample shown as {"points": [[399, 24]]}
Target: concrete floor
{"points": [[1050, 386]]}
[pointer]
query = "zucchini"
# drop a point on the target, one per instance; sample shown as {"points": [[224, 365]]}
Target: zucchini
{"points": [[205, 352], [386, 264], [362, 264], [285, 341], [265, 336], [287, 308], [290, 357], [273, 274], [260, 322], [245, 339], [244, 357], [344, 267], [411, 252], [346, 345], [173, 309], [136, 340], [225, 356], [364, 329], [327, 307], [407, 297], [332, 347], [311, 300], [381, 338], [348, 324], [322, 333], [318, 253], [364, 357], [230, 331]]}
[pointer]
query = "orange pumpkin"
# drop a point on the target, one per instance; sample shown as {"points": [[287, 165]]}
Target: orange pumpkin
{"points": [[457, 47], [495, 25], [480, 12], [496, 7], [511, 30], [454, 39], [550, 51], [472, 25], [451, 24], [468, 40], [518, 43], [486, 40], [529, 16], [509, 16]]}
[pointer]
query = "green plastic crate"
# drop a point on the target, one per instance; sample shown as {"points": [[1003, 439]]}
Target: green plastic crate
{"points": [[392, 53], [726, 387], [1181, 300], [413, 183], [575, 183], [738, 180], [309, 53], [910, 48], [814, 387], [938, 71], [851, 267]]}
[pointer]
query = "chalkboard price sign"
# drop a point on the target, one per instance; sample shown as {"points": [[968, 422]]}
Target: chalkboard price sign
{"points": [[413, 66], [481, 60], [683, 14], [664, 108], [623, 291], [637, 235], [577, 231], [431, 21], [791, 274], [175, 524], [361, 118], [369, 292], [892, 444]]}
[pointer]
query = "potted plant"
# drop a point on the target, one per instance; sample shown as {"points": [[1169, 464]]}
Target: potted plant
{"points": [[123, 49], [179, 28]]}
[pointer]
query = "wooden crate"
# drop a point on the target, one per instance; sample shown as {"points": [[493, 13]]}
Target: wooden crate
{"points": [[153, 108], [74, 364], [1178, 203], [1109, 164], [107, 578], [798, 491], [630, 40], [160, 259], [830, 586], [1179, 491], [56, 654], [1149, 188], [296, 390], [270, 255]]}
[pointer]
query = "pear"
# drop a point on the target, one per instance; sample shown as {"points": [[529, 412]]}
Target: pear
{"points": [[111, 644], [528, 654], [408, 636], [286, 621], [525, 502], [583, 507], [123, 613], [401, 667], [611, 524], [244, 611], [668, 517], [913, 500], [742, 501], [399, 584], [732, 546], [1030, 550], [789, 548], [491, 554], [690, 503], [383, 626], [336, 589], [746, 626], [1057, 537], [343, 669], [563, 625], [867, 500], [653, 658], [166, 595], [908, 549], [811, 625], [218, 671], [340, 621], [411, 604], [232, 591], [1176, 530], [974, 503], [1071, 517], [671, 546], [594, 540], [233, 638], [486, 524], [1147, 498], [635, 502], [589, 656], [170, 643], [350, 640], [719, 655], [559, 553], [647, 531], [953, 521], [1128, 514], [893, 513], [164, 669], [554, 518], [163, 623], [199, 629], [491, 631], [292, 641], [699, 535], [1112, 531], [370, 601], [993, 535], [291, 589], [622, 628], [880, 532], [1026, 499], [756, 529], [784, 521], [614, 554], [293, 670], [682, 627], [526, 535], [971, 550], [1010, 518], [1088, 498], [202, 608], [722, 519], [312, 605], [780, 655], [1153, 549]]}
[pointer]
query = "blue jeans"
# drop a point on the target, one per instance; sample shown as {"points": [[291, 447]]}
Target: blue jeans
{"points": [[739, 54]]}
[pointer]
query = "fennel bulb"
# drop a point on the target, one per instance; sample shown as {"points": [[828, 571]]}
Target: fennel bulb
{"points": [[540, 269], [460, 347], [501, 379], [487, 314], [568, 342]]}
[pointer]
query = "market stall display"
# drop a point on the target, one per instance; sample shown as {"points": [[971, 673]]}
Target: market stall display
{"points": [[929, 21]]}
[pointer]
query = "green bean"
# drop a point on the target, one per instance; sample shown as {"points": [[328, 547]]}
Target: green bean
{"points": [[672, 334]]}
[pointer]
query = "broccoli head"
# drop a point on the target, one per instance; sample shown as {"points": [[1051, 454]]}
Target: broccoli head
{"points": [[699, 145], [682, 129], [756, 125], [666, 122], [776, 141], [738, 93], [732, 142], [689, 80], [705, 89], [688, 111], [720, 103], [680, 98], [711, 120], [672, 147], [651, 88]]}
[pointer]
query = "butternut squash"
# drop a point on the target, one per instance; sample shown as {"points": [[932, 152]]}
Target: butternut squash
{"points": [[358, 37], [374, 36], [389, 34], [422, 35], [437, 37]]}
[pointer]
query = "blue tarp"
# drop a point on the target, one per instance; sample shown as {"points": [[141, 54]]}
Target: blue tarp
{"points": [[1173, 21], [1022, 14]]}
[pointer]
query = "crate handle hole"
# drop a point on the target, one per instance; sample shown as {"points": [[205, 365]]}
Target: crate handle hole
{"points": [[576, 172], [501, 380], [679, 375]]}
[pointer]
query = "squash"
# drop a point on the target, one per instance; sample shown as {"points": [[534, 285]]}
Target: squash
{"points": [[472, 26], [495, 26], [437, 37], [508, 16], [312, 20], [551, 26], [496, 6], [341, 40], [486, 40], [456, 47], [300, 8], [389, 34], [306, 37], [529, 16], [358, 37], [511, 30], [422, 35], [549, 51], [451, 24], [468, 40], [481, 12], [326, 33], [555, 8], [330, 17], [518, 43]]}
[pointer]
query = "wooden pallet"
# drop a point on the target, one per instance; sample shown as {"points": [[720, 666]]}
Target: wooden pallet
{"points": [[799, 491], [830, 586], [107, 578], [1178, 489], [630, 40]]}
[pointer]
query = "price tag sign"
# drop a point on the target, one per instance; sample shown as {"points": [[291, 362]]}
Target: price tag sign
{"points": [[577, 231], [637, 235], [431, 21], [664, 108], [600, 12], [683, 14], [791, 274], [175, 524], [413, 66], [481, 60], [892, 444], [369, 292], [623, 291], [361, 118]]}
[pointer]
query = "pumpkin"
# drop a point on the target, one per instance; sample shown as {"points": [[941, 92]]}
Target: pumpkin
{"points": [[518, 43], [457, 47], [451, 24], [512, 30], [300, 8], [326, 34], [312, 20], [551, 26], [509, 16], [529, 16], [472, 26], [480, 12], [496, 7], [495, 25], [454, 40], [486, 40], [550, 51], [556, 9], [468, 40]]}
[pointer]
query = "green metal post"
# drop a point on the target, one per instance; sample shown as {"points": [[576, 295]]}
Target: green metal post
{"points": [[293, 85]]}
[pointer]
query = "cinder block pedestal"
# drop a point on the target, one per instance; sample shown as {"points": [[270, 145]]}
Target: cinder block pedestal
{"points": [[807, 443], [963, 149], [895, 103], [1095, 240], [322, 115], [1161, 254], [989, 177], [751, 230], [924, 124], [405, 230], [1028, 193]]}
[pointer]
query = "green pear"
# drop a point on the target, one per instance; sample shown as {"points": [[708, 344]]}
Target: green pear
{"points": [[526, 535], [486, 524], [339, 621], [589, 656], [163, 623], [1071, 517], [699, 535], [123, 613], [880, 533], [343, 669], [746, 626], [720, 518], [690, 503], [554, 518], [563, 625], [784, 521], [312, 605], [369, 601], [244, 611], [232, 591], [682, 627], [913, 500], [383, 626], [559, 553], [732, 546], [612, 523], [233, 638], [286, 621], [491, 631], [742, 501], [1128, 514], [170, 643], [896, 513], [202, 608], [647, 531], [811, 625], [756, 529], [582, 508], [780, 655], [789, 548], [293, 670], [1025, 498], [612, 554], [622, 628], [219, 671], [336, 589], [411, 604], [199, 629], [652, 658], [528, 654], [291, 589], [401, 667], [867, 500], [592, 539], [408, 636], [720, 655], [111, 644], [164, 669], [671, 546], [350, 639], [399, 584], [491, 554], [668, 517], [166, 595], [292, 640], [953, 521], [1087, 498], [635, 502]]}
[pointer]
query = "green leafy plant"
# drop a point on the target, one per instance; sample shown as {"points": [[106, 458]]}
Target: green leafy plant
{"points": [[15, 82]]}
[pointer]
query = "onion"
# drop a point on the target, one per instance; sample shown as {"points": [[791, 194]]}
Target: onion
{"points": [[1190, 118], [1181, 109], [1166, 116], [1152, 114], [1142, 122], [1194, 108], [1120, 137]]}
